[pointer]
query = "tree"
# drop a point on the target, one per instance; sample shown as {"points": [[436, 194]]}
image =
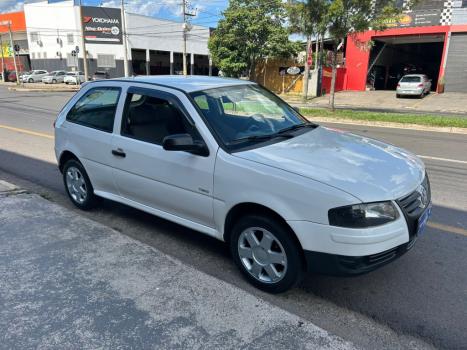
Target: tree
{"points": [[306, 18], [349, 17], [251, 30]]}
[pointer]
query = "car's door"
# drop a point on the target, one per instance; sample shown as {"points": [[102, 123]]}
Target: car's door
{"points": [[175, 183], [88, 131]]}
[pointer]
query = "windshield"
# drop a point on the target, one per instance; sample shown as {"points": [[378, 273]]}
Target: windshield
{"points": [[247, 113], [410, 79]]}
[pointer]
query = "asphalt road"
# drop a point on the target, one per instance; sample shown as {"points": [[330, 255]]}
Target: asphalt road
{"points": [[416, 301]]}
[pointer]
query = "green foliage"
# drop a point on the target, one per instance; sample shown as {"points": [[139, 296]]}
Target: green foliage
{"points": [[307, 17], [250, 30], [403, 118]]}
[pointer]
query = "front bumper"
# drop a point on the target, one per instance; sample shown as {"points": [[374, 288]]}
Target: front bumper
{"points": [[344, 251], [342, 265]]}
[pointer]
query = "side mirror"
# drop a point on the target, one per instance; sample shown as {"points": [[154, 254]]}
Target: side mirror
{"points": [[184, 142]]}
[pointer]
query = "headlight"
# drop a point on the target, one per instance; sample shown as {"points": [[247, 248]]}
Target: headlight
{"points": [[363, 215]]}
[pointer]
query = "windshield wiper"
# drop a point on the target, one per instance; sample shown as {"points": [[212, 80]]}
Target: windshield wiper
{"points": [[295, 127], [258, 138]]}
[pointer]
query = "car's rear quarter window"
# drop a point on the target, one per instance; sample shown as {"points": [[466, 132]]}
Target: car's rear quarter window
{"points": [[96, 108]]}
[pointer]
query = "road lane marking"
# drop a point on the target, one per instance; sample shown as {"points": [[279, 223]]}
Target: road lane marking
{"points": [[29, 132], [447, 228], [444, 159], [48, 136]]}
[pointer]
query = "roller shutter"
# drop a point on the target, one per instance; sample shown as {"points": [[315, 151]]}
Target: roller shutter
{"points": [[455, 75]]}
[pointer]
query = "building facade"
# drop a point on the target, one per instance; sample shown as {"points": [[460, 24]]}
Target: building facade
{"points": [[154, 46], [430, 39]]}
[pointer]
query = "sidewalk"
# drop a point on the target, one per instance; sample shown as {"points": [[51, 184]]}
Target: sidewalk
{"points": [[386, 101], [71, 283]]}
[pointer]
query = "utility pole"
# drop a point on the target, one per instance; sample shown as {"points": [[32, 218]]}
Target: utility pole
{"points": [[83, 44], [186, 29], [184, 38], [13, 50], [3, 60], [125, 53]]}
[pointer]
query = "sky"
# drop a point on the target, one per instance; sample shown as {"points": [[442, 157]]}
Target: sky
{"points": [[207, 12]]}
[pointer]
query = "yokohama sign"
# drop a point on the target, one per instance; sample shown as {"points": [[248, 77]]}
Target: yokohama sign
{"points": [[102, 25]]}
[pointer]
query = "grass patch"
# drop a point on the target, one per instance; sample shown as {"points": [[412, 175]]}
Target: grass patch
{"points": [[403, 118]]}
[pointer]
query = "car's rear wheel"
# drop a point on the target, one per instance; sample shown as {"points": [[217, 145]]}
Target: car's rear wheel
{"points": [[266, 253], [54, 81], [78, 185]]}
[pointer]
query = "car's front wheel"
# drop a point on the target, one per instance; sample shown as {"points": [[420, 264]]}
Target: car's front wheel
{"points": [[31, 80], [78, 185], [267, 253]]}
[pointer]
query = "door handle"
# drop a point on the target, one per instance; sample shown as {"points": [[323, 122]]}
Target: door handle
{"points": [[118, 153]]}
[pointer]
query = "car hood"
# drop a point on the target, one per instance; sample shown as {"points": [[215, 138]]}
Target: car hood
{"points": [[366, 168]]}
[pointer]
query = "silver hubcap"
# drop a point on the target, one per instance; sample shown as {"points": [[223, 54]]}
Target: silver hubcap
{"points": [[262, 255], [76, 185]]}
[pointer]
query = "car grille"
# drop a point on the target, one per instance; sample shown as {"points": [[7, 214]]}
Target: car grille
{"points": [[414, 204]]}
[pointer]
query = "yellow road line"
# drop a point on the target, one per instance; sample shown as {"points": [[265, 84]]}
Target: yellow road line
{"points": [[447, 228], [29, 132]]}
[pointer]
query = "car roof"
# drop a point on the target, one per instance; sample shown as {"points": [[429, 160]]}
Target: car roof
{"points": [[187, 83]]}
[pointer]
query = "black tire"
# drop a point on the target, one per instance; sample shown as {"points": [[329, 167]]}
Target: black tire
{"points": [[54, 81], [91, 199], [31, 80], [293, 252], [398, 96]]}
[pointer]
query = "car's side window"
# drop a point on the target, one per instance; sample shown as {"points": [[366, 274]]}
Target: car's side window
{"points": [[150, 119], [96, 108]]}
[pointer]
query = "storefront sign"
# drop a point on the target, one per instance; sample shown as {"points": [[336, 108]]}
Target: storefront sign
{"points": [[6, 50], [417, 19], [102, 25], [293, 70]]}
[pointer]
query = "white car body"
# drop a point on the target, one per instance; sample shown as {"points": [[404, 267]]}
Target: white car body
{"points": [[35, 76], [413, 85], [300, 178], [74, 78], [54, 77]]}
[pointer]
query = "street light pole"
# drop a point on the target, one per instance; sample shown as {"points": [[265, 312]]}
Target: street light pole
{"points": [[125, 50], [3, 60], [83, 44], [14, 52]]}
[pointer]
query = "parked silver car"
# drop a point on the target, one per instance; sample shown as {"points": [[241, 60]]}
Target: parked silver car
{"points": [[413, 85], [74, 78], [35, 76], [54, 77]]}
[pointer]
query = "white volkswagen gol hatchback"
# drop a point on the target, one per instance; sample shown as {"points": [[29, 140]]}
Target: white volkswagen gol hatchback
{"points": [[232, 160]]}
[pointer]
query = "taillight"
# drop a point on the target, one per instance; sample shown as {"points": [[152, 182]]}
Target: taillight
{"points": [[398, 85], [420, 85]]}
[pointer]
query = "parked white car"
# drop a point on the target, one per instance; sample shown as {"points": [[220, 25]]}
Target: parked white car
{"points": [[74, 78], [413, 85], [54, 77], [34, 76], [228, 158]]}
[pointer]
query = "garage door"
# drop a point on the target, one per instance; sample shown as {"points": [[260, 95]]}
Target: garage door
{"points": [[456, 64]]}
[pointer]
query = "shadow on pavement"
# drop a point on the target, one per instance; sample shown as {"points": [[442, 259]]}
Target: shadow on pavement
{"points": [[424, 293]]}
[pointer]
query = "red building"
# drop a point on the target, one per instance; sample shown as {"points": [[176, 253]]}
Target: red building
{"points": [[432, 40]]}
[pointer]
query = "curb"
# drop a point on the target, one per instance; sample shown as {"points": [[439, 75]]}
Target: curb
{"points": [[451, 130], [41, 90]]}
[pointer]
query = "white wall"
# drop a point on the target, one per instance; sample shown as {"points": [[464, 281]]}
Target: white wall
{"points": [[155, 34]]}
